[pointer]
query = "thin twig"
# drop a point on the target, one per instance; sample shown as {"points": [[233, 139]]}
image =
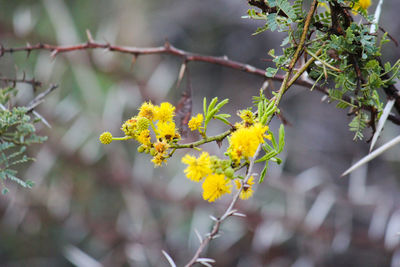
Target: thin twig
{"points": [[32, 82], [40, 98]]}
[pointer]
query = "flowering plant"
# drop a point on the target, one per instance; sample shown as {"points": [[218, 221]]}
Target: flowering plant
{"points": [[155, 130]]}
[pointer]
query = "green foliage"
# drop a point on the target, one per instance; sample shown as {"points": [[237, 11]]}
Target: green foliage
{"points": [[16, 133], [348, 54], [265, 110], [211, 111], [358, 124]]}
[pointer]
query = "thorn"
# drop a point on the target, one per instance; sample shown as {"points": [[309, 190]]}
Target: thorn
{"points": [[133, 61], [167, 45], [198, 236], [29, 49], [54, 54], [239, 214], [45, 122], [89, 36], [181, 73], [213, 218]]}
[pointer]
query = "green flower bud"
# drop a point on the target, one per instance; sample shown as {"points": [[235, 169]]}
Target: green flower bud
{"points": [[140, 149], [229, 172], [142, 124], [219, 171]]}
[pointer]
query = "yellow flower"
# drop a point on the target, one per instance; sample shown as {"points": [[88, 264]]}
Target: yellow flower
{"points": [[245, 141], [361, 4], [161, 147], [198, 168], [195, 122], [148, 111], [130, 126], [105, 138], [144, 137], [214, 186], [164, 112], [158, 160], [364, 3], [247, 116], [166, 130], [247, 190]]}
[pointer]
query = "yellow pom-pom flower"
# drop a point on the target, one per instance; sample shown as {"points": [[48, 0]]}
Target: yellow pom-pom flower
{"points": [[106, 138], [247, 190], [166, 130], [247, 116], [161, 147], [164, 112], [148, 111], [214, 186], [130, 126], [158, 160], [197, 168], [144, 138], [195, 122], [245, 141]]}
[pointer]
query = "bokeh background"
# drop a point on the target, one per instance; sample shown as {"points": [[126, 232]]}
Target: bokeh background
{"points": [[96, 205]]}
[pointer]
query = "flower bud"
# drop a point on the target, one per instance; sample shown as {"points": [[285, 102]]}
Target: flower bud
{"points": [[229, 172], [142, 124], [105, 138], [140, 149]]}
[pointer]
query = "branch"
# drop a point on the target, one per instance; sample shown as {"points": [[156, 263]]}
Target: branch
{"points": [[166, 49], [228, 212], [187, 56], [40, 98], [32, 82]]}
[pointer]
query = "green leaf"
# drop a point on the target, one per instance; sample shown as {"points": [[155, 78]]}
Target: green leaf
{"points": [[212, 104], [222, 118], [273, 141], [267, 156], [222, 103], [270, 72], [205, 106], [281, 138], [263, 173], [277, 160]]}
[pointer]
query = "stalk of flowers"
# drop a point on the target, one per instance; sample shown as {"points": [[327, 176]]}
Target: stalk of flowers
{"points": [[154, 128]]}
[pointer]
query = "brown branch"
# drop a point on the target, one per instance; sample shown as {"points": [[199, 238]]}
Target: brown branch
{"points": [[40, 98], [171, 50], [136, 51], [32, 82]]}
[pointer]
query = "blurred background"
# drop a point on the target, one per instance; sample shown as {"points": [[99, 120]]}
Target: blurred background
{"points": [[96, 205]]}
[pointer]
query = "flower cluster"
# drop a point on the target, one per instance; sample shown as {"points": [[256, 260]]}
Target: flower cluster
{"points": [[244, 142], [154, 128], [216, 175], [159, 119]]}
